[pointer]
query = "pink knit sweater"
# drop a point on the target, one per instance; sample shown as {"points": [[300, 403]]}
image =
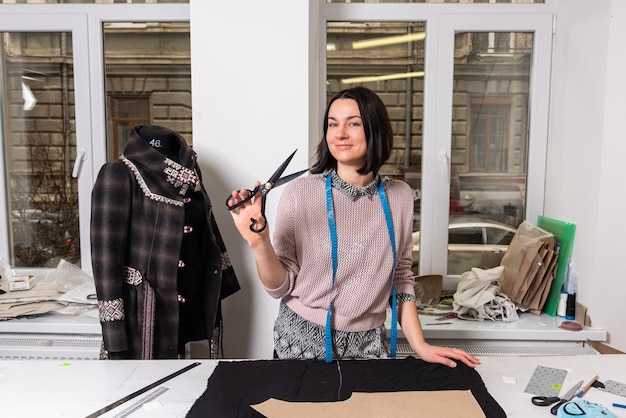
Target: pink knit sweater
{"points": [[362, 287]]}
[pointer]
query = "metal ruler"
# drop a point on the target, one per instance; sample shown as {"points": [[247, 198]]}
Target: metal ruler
{"points": [[137, 405], [141, 391]]}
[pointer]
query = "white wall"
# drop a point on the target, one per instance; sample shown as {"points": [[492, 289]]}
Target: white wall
{"points": [[611, 232], [586, 152], [608, 271], [243, 130], [250, 78]]}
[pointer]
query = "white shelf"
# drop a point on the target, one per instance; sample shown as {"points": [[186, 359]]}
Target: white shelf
{"points": [[53, 323], [530, 327], [51, 336], [79, 336]]}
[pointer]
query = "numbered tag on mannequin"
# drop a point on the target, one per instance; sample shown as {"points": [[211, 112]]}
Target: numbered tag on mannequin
{"points": [[155, 143]]}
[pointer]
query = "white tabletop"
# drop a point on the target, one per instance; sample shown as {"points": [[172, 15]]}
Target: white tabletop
{"points": [[79, 388], [47, 388], [498, 372]]}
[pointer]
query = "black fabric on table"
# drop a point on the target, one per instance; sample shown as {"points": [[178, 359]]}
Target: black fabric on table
{"points": [[234, 386]]}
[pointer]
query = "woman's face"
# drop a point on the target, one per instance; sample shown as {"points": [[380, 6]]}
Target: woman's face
{"points": [[345, 134]]}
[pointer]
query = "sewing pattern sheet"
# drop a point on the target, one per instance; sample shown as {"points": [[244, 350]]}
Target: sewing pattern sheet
{"points": [[235, 386]]}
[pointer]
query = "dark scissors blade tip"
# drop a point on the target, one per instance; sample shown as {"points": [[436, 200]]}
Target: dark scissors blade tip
{"points": [[280, 169]]}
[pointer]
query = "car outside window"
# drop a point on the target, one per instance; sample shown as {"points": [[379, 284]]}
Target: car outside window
{"points": [[466, 235], [496, 236]]}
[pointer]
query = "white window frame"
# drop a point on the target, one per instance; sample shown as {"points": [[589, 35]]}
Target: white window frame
{"points": [[442, 21], [85, 21], [60, 23]]}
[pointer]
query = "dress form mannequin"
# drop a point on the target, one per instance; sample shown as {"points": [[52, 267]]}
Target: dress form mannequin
{"points": [[190, 282], [159, 262]]}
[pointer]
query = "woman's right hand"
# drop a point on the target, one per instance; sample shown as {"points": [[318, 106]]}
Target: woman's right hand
{"points": [[271, 271], [243, 215]]}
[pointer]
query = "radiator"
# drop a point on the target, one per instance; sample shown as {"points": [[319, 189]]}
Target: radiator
{"points": [[404, 350], [87, 347], [49, 347]]}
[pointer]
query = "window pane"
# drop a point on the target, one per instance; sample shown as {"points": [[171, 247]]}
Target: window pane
{"points": [[387, 57], [435, 1], [40, 148], [90, 1], [489, 129], [148, 79]]}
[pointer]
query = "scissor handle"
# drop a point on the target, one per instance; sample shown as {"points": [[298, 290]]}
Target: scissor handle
{"points": [[544, 400], [254, 222], [555, 409], [251, 194], [264, 190]]}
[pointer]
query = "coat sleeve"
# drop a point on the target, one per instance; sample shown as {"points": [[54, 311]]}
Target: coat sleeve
{"points": [[230, 284], [110, 215]]}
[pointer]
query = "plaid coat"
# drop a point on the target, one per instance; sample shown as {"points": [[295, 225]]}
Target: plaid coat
{"points": [[137, 222]]}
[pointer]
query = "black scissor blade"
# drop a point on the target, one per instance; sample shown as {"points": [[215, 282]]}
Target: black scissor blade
{"points": [[290, 177], [279, 171]]}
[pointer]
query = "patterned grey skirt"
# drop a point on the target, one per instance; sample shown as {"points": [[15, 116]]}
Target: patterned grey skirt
{"points": [[297, 338]]}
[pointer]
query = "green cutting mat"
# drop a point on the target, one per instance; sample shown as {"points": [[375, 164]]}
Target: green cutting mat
{"points": [[564, 234]]}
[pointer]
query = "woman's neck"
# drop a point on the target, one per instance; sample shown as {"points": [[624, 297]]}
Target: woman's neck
{"points": [[352, 177]]}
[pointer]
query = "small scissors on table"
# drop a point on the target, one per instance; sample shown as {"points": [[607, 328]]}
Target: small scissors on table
{"points": [[549, 400], [264, 189]]}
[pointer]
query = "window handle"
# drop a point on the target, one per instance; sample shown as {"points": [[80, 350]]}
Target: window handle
{"points": [[78, 162], [445, 160]]}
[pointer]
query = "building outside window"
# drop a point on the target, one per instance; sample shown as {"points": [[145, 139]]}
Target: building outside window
{"points": [[125, 113], [488, 136]]}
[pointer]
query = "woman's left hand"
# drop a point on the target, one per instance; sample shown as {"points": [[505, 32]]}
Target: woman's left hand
{"points": [[445, 355]]}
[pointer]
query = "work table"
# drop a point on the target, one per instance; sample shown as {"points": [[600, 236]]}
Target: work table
{"points": [[57, 388]]}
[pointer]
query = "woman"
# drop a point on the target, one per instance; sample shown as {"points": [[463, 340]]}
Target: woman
{"points": [[336, 255]]}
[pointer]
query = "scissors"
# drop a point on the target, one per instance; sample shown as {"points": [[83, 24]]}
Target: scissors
{"points": [[264, 189], [549, 400]]}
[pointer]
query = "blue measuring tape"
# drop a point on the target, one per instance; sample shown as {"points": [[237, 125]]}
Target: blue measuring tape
{"points": [[328, 339]]}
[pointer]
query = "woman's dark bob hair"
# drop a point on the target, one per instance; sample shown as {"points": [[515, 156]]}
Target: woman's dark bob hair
{"points": [[376, 124]]}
